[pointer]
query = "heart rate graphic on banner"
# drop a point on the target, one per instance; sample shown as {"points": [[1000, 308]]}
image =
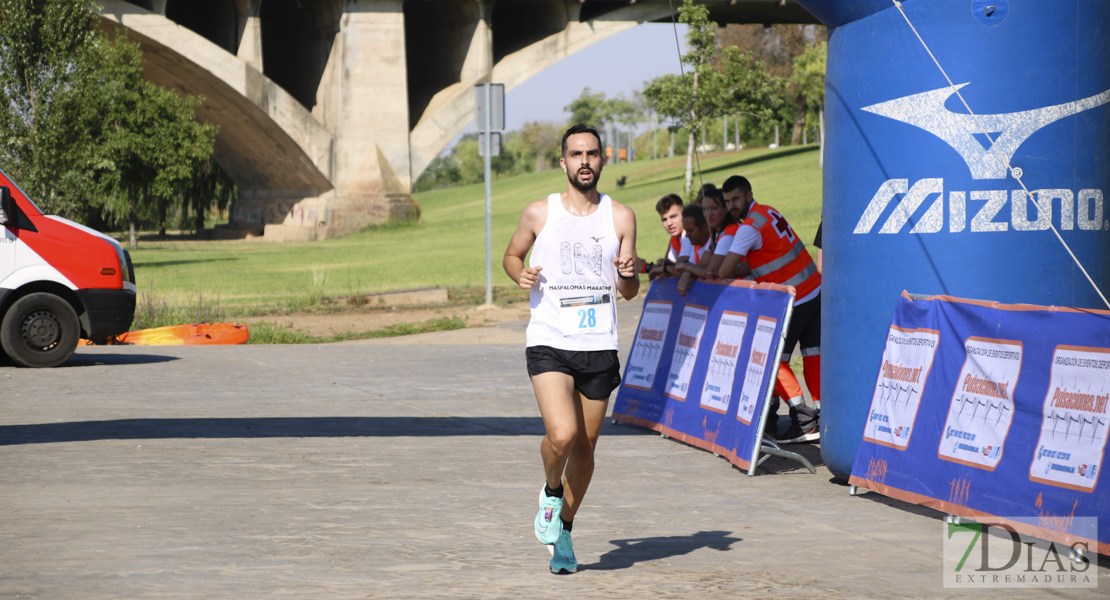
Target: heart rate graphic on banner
{"points": [[756, 372], [686, 351], [1012, 418], [717, 391], [1072, 443], [982, 406], [712, 347], [906, 362], [643, 360]]}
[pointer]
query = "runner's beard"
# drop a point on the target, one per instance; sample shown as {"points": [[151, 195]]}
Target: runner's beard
{"points": [[580, 185]]}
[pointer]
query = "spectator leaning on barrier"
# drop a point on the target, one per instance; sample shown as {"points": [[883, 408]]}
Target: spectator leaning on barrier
{"points": [[775, 254], [669, 208], [696, 241], [722, 227], [583, 246]]}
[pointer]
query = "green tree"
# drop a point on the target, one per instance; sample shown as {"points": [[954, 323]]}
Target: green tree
{"points": [[49, 101], [153, 143], [208, 187], [472, 167], [626, 112], [777, 46], [80, 129], [808, 78], [589, 108], [716, 83], [442, 172], [539, 143]]}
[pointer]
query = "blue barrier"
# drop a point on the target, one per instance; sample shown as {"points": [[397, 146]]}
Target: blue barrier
{"points": [[983, 409], [699, 367]]}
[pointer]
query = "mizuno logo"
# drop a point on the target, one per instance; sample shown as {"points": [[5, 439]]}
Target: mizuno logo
{"points": [[1009, 131], [986, 208]]}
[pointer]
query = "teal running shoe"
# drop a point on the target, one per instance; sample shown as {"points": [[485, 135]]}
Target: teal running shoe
{"points": [[563, 561], [548, 524]]}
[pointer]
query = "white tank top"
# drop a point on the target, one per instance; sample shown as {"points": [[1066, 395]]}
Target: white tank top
{"points": [[574, 305]]}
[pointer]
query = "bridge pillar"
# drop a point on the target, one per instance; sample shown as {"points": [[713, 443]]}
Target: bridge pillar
{"points": [[465, 30], [363, 101], [250, 32], [478, 63]]}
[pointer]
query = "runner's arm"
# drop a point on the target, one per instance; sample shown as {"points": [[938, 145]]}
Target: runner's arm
{"points": [[531, 222], [624, 221]]}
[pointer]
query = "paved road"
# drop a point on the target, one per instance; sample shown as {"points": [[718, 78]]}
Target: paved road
{"points": [[405, 468]]}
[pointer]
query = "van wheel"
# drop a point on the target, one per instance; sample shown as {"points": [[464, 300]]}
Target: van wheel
{"points": [[40, 330]]}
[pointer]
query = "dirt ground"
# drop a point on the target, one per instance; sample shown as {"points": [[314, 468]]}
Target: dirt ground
{"points": [[361, 319]]}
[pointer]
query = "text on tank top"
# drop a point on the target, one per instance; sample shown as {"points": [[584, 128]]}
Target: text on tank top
{"points": [[573, 307]]}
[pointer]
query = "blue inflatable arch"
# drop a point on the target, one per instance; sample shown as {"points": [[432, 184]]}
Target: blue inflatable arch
{"points": [[945, 120]]}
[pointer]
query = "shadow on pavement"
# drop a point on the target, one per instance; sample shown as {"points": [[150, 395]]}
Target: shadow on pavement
{"points": [[85, 359], [631, 551], [267, 427]]}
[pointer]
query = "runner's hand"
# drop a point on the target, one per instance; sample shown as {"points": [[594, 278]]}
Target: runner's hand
{"points": [[529, 277], [626, 266]]}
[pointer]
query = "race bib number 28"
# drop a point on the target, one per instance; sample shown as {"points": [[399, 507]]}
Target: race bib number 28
{"points": [[586, 314]]}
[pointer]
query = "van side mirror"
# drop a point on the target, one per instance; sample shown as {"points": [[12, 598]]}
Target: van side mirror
{"points": [[5, 204]]}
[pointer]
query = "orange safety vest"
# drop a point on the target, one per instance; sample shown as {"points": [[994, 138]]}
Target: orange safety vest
{"points": [[783, 258], [698, 251], [730, 229]]}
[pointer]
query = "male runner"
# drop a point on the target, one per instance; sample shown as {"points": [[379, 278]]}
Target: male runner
{"points": [[583, 253], [774, 253]]}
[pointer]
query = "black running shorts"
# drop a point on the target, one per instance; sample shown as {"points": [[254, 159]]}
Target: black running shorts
{"points": [[596, 373]]}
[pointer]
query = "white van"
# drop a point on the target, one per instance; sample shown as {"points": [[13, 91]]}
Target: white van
{"points": [[59, 282]]}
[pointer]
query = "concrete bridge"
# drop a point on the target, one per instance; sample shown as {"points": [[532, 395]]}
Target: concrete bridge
{"points": [[329, 109]]}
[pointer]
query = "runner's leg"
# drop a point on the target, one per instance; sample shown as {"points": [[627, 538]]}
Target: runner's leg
{"points": [[556, 395], [590, 415]]}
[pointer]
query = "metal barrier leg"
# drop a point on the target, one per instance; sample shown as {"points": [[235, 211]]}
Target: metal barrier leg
{"points": [[769, 448]]}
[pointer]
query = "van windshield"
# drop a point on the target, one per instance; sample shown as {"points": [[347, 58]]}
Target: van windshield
{"points": [[20, 190]]}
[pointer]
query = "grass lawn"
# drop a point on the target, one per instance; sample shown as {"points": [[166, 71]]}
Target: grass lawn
{"points": [[447, 248]]}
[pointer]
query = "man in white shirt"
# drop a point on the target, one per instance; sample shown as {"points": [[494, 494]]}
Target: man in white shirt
{"points": [[583, 253]]}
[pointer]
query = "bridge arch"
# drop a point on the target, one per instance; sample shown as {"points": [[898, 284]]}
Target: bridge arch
{"points": [[328, 110], [268, 143]]}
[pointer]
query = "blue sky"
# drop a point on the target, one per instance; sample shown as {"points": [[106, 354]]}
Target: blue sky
{"points": [[619, 63]]}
